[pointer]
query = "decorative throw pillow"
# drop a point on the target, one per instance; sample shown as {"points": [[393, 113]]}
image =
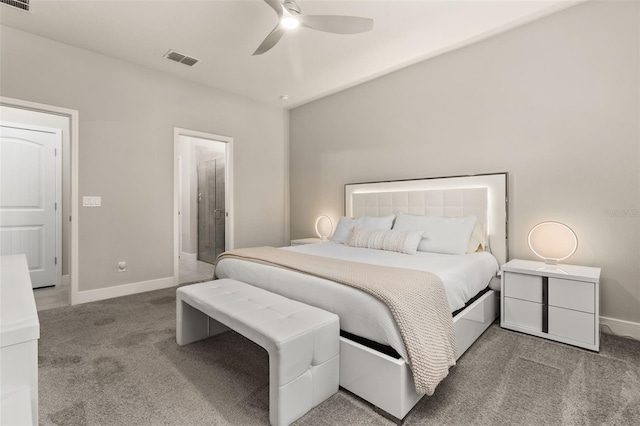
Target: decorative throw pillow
{"points": [[478, 239], [400, 241], [448, 235]]}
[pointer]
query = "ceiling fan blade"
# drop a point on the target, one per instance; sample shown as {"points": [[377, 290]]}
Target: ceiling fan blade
{"points": [[275, 5], [271, 40], [337, 24]]}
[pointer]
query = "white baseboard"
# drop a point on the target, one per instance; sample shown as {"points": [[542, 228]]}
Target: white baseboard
{"points": [[121, 290], [188, 256], [620, 327]]}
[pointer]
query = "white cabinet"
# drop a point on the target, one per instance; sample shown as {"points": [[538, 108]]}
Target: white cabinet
{"points": [[19, 334], [557, 302]]}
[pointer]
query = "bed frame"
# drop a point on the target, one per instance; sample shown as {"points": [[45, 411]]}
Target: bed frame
{"points": [[384, 381]]}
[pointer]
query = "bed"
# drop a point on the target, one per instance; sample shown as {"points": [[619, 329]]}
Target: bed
{"points": [[373, 355]]}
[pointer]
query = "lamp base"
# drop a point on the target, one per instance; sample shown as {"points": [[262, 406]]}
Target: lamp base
{"points": [[553, 268]]}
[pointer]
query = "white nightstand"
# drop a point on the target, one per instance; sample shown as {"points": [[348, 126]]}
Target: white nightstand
{"points": [[557, 302], [303, 241]]}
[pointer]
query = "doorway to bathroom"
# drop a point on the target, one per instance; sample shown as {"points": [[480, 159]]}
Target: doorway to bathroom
{"points": [[204, 202]]}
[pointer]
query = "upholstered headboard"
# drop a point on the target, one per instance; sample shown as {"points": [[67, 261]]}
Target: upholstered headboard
{"points": [[484, 196]]}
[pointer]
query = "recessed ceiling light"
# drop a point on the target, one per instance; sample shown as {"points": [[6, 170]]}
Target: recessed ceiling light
{"points": [[284, 97]]}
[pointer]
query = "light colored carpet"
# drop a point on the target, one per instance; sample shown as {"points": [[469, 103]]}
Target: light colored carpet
{"points": [[116, 363]]}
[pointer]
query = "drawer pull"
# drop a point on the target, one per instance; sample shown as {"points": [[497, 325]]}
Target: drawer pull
{"points": [[545, 304]]}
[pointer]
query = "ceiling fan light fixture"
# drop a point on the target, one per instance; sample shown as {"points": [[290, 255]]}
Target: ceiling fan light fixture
{"points": [[289, 21], [290, 17]]}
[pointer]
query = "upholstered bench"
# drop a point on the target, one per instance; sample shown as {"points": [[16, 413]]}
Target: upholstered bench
{"points": [[302, 341]]}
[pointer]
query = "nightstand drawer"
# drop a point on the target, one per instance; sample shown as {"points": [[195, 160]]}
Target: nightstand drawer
{"points": [[576, 295], [523, 313], [572, 325], [525, 287]]}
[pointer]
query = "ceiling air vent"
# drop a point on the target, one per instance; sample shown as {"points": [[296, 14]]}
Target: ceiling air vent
{"points": [[179, 57], [18, 4]]}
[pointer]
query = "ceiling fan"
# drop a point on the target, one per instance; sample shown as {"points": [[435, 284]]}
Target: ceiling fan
{"points": [[290, 17]]}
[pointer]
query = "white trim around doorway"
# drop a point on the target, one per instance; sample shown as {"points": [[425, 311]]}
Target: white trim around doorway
{"points": [[74, 120], [229, 225]]}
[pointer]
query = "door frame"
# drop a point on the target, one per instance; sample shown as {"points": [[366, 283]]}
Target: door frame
{"points": [[74, 120], [229, 222]]}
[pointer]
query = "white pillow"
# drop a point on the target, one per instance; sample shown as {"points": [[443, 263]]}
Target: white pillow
{"points": [[382, 223], [400, 241], [449, 235], [346, 224], [343, 230]]}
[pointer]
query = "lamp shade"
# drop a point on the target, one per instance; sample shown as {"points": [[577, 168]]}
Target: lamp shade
{"points": [[552, 241], [324, 226]]}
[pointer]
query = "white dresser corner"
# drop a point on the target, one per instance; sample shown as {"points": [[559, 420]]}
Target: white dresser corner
{"points": [[19, 334]]}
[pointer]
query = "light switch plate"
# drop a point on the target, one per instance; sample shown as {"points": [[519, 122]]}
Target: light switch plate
{"points": [[91, 201]]}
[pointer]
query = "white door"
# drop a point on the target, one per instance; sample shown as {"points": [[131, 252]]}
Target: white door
{"points": [[30, 199]]}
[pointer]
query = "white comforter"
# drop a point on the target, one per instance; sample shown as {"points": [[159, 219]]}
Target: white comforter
{"points": [[360, 313]]}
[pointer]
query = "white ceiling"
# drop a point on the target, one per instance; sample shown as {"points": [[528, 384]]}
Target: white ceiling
{"points": [[305, 65]]}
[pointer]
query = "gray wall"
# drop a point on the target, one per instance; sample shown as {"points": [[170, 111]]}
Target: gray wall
{"points": [[554, 103], [127, 116]]}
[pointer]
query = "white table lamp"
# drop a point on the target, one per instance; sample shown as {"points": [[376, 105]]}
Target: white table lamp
{"points": [[552, 241], [318, 224]]}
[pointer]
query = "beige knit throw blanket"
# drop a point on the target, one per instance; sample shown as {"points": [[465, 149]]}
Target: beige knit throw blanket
{"points": [[416, 299]]}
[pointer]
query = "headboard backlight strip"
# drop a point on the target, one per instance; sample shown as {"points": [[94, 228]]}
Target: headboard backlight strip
{"points": [[484, 196]]}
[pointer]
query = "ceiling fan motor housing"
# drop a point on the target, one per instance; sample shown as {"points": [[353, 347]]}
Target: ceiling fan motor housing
{"points": [[291, 6]]}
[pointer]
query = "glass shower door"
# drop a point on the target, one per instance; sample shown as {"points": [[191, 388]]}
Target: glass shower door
{"points": [[211, 209]]}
